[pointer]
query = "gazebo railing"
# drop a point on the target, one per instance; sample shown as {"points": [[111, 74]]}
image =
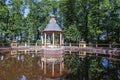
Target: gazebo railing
{"points": [[29, 44]]}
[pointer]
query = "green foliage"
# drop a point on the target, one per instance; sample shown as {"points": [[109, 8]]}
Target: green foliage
{"points": [[95, 70], [39, 42], [72, 33], [73, 63], [79, 19]]}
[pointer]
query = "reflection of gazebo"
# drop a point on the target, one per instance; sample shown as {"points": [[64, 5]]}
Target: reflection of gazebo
{"points": [[52, 34]]}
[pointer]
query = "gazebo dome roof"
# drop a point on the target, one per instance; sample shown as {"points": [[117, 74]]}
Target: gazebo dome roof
{"points": [[52, 26]]}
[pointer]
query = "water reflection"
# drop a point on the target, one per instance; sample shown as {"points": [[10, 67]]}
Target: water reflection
{"points": [[92, 68], [1, 57], [39, 63], [18, 57], [118, 74], [106, 63], [33, 55], [21, 58], [20, 66], [28, 67], [23, 77]]}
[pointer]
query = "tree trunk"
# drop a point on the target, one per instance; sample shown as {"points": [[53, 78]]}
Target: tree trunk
{"points": [[86, 24], [118, 35]]}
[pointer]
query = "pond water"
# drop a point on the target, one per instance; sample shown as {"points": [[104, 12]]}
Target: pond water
{"points": [[21, 66], [27, 66]]}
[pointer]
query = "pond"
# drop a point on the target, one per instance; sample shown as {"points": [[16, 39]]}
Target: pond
{"points": [[18, 65]]}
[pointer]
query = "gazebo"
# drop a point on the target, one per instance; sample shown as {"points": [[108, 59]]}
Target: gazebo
{"points": [[52, 51], [52, 34]]}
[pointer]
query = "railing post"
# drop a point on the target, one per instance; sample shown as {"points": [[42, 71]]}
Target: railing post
{"points": [[25, 44], [36, 47], [70, 44], [96, 45], [110, 45], [70, 50], [36, 44]]}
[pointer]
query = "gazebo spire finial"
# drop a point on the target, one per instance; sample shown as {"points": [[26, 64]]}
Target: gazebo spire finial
{"points": [[52, 20]]}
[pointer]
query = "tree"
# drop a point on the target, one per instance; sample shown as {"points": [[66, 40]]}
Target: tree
{"points": [[4, 15], [72, 34], [39, 16], [67, 12]]}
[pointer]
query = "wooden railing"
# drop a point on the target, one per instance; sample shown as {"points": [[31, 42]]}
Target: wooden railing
{"points": [[66, 44], [113, 49]]}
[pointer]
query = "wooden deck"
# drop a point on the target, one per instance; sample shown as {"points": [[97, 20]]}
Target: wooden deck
{"points": [[90, 50]]}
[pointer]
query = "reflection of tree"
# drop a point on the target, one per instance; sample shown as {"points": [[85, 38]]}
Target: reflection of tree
{"points": [[95, 70], [73, 63], [84, 68], [78, 66], [110, 69]]}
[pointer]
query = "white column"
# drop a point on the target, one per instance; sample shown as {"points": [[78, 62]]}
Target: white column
{"points": [[60, 39], [45, 40], [53, 38], [42, 40]]}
